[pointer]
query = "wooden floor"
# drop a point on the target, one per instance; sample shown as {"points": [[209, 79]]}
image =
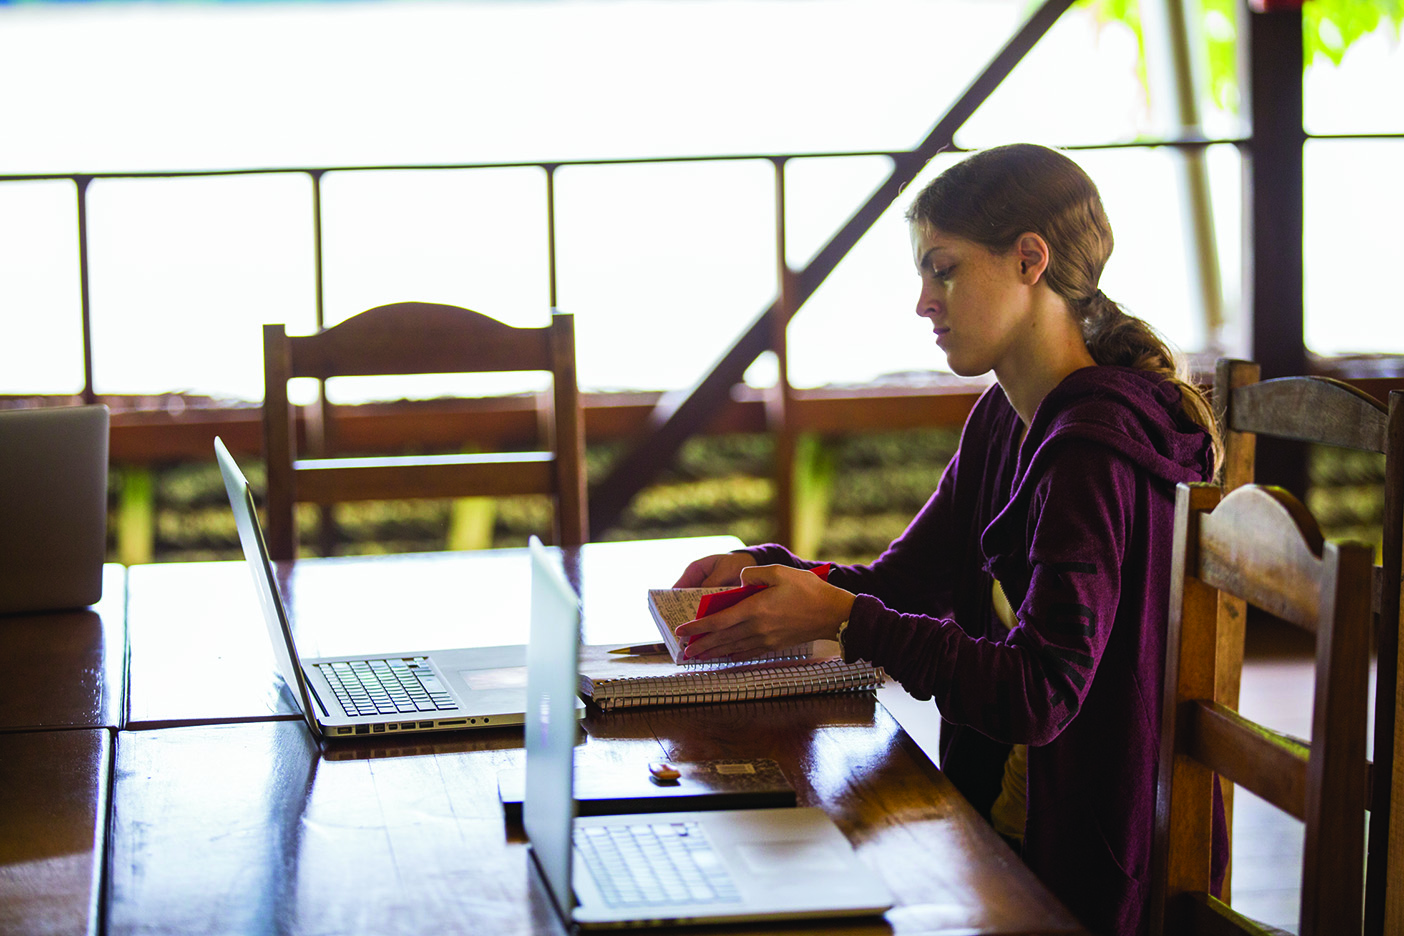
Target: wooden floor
{"points": [[1277, 691]]}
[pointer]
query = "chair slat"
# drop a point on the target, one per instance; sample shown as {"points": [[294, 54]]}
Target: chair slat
{"points": [[394, 478], [1284, 544], [419, 338], [1203, 914], [1336, 413], [1270, 764]]}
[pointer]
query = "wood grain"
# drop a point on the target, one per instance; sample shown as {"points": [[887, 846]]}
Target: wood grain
{"points": [[53, 821], [364, 839]]}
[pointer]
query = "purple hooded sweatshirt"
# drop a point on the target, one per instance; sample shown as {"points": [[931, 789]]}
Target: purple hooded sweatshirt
{"points": [[1076, 524]]}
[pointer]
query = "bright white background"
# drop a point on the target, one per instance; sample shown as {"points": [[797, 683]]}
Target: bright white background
{"points": [[662, 264]]}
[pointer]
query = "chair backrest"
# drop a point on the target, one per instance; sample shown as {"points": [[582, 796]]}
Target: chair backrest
{"points": [[424, 338], [1260, 544], [1324, 411]]}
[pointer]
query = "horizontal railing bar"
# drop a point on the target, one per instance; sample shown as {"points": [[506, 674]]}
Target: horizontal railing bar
{"points": [[1182, 142], [1355, 136], [149, 430]]}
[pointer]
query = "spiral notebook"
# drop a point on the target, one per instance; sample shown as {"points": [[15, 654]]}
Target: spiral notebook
{"points": [[614, 682]]}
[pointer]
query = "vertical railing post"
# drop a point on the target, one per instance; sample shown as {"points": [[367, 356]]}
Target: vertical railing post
{"points": [[1273, 229], [778, 400], [318, 430], [316, 177], [550, 171], [82, 182]]}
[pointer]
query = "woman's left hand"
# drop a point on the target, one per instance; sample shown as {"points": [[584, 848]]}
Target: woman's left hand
{"points": [[795, 607]]}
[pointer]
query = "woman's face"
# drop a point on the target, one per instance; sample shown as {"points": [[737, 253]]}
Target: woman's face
{"points": [[977, 302]]}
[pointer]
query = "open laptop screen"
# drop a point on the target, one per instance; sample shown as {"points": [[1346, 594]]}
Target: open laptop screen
{"points": [[261, 568]]}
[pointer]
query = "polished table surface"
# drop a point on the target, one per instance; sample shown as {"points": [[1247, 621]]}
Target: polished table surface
{"points": [[233, 819], [200, 652], [53, 822], [64, 669]]}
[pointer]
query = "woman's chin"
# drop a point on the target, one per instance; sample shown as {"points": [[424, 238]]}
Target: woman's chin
{"points": [[964, 368]]}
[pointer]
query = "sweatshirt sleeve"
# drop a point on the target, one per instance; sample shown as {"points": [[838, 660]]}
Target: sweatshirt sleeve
{"points": [[1025, 688]]}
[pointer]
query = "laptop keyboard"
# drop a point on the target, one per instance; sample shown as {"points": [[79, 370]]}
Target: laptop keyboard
{"points": [[387, 687], [647, 864]]}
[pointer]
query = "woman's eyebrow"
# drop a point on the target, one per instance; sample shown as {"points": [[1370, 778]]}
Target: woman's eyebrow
{"points": [[925, 260]]}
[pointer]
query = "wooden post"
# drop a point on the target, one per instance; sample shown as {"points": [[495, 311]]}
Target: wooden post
{"points": [[1273, 252]]}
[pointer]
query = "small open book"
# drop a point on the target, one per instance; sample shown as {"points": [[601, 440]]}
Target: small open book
{"points": [[674, 606]]}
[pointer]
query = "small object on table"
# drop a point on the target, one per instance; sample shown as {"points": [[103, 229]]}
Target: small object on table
{"points": [[642, 649], [663, 772]]}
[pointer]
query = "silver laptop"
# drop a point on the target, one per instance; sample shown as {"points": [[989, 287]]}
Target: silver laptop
{"points": [[381, 693], [663, 868], [53, 507]]}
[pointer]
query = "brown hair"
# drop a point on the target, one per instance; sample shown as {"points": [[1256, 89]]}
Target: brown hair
{"points": [[995, 195]]}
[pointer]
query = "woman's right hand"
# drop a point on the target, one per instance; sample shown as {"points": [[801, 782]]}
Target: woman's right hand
{"points": [[720, 569]]}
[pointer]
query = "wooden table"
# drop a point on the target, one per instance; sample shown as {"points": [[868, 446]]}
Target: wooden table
{"points": [[200, 652], [64, 669], [243, 824], [53, 823]]}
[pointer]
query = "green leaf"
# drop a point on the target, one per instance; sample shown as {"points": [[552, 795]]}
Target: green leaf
{"points": [[1329, 29]]}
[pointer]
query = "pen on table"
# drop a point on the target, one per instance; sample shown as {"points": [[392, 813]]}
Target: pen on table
{"points": [[643, 648]]}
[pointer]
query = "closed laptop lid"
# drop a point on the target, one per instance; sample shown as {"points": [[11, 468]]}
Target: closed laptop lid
{"points": [[548, 806], [53, 507]]}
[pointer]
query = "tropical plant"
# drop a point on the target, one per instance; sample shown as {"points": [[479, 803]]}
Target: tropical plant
{"points": [[1329, 28]]}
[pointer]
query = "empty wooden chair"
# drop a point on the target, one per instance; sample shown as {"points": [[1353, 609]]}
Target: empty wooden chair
{"points": [[424, 338], [1260, 544], [1323, 411]]}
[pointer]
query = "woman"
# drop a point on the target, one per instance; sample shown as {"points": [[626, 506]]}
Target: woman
{"points": [[1029, 596]]}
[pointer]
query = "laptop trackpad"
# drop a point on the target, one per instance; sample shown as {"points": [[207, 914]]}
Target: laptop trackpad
{"points": [[788, 857], [481, 680]]}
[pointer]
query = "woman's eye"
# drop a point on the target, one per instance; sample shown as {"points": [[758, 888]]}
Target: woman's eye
{"points": [[942, 274]]}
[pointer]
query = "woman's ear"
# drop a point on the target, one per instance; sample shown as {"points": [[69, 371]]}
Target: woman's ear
{"points": [[1032, 252]]}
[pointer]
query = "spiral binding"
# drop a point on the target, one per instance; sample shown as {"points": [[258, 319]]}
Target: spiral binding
{"points": [[728, 683]]}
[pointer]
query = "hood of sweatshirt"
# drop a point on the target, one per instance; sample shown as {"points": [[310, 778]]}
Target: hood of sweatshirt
{"points": [[1135, 413]]}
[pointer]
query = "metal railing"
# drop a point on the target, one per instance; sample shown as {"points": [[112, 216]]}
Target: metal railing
{"points": [[673, 418]]}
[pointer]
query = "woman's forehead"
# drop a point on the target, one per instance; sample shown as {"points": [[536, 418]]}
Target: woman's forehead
{"points": [[928, 239]]}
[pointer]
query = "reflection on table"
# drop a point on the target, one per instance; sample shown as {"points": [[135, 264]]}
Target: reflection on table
{"points": [[227, 816]]}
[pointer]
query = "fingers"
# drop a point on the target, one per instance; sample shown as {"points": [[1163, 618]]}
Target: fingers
{"points": [[722, 644], [695, 573], [721, 569], [702, 638]]}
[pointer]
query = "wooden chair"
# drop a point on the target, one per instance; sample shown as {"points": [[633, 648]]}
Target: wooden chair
{"points": [[1260, 544], [423, 338], [1323, 411]]}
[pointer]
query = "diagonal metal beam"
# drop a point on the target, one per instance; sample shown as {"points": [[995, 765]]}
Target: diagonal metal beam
{"points": [[680, 416]]}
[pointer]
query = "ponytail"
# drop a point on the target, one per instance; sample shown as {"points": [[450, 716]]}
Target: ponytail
{"points": [[1115, 338]]}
